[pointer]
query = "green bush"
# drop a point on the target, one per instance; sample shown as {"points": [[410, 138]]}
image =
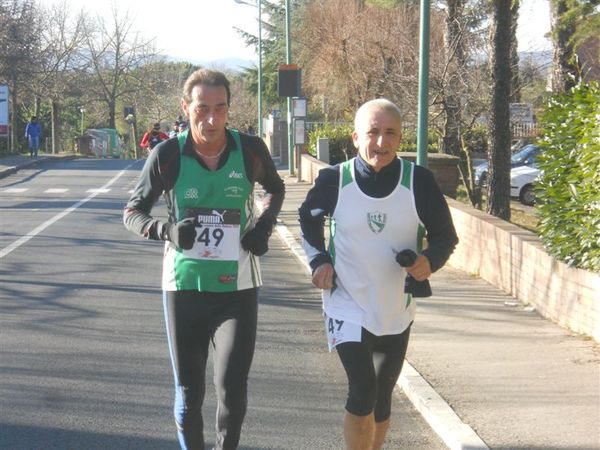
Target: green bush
{"points": [[409, 141], [476, 140], [341, 147], [568, 193]]}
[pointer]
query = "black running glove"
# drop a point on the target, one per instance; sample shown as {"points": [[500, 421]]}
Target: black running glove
{"points": [[182, 234], [256, 240], [407, 258]]}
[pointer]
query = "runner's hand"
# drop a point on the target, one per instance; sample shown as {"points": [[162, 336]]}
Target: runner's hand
{"points": [[421, 269], [183, 233], [256, 240], [323, 276]]}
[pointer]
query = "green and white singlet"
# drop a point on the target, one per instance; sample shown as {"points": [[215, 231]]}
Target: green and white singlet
{"points": [[366, 233], [222, 203]]}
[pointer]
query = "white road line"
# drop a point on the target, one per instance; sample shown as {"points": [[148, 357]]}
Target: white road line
{"points": [[23, 239], [456, 434], [55, 191], [14, 190], [101, 190]]}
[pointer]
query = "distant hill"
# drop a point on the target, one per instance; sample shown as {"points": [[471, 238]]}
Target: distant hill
{"points": [[542, 59], [233, 64]]}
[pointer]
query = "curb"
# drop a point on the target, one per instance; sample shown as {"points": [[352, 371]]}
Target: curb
{"points": [[9, 170], [442, 419]]}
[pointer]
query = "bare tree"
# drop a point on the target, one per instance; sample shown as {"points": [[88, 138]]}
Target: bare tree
{"points": [[155, 90], [499, 151], [515, 84], [114, 51], [61, 45], [455, 80], [19, 46], [350, 67]]}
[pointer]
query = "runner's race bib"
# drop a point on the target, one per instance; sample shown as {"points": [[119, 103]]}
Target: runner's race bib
{"points": [[217, 234], [339, 331]]}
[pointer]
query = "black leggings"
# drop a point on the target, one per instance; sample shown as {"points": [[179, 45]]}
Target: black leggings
{"points": [[228, 321], [373, 367]]}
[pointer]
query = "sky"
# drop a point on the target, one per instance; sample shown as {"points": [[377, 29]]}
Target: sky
{"points": [[203, 30], [193, 30]]}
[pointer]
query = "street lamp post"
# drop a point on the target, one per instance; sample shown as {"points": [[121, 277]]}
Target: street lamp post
{"points": [[259, 74], [288, 52], [82, 110]]}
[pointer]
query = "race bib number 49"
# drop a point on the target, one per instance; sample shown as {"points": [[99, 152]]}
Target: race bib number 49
{"points": [[217, 234]]}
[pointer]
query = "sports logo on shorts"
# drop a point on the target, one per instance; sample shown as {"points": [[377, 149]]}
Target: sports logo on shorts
{"points": [[376, 221]]}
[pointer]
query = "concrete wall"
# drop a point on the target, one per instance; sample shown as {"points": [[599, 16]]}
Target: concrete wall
{"points": [[514, 260]]}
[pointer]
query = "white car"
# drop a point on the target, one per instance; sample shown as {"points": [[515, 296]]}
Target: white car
{"points": [[522, 180]]}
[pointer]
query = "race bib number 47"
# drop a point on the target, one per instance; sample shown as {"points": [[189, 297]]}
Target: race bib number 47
{"points": [[339, 331], [217, 234]]}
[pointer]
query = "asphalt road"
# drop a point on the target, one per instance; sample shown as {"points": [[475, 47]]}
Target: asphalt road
{"points": [[83, 356]]}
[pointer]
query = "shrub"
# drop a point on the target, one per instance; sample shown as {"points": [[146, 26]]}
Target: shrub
{"points": [[476, 140], [341, 147], [409, 141], [568, 193]]}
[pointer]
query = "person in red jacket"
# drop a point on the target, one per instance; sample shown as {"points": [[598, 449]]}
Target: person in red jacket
{"points": [[153, 137]]}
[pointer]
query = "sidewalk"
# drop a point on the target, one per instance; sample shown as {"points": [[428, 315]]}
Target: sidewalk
{"points": [[13, 163], [515, 380]]}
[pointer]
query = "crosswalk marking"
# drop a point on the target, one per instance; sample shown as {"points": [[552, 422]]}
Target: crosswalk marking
{"points": [[57, 190]]}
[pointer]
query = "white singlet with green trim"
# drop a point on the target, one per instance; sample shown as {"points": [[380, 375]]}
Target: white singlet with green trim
{"points": [[221, 202], [366, 233]]}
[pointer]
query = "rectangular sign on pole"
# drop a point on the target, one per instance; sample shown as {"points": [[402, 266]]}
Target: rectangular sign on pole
{"points": [[299, 107], [299, 131], [3, 110]]}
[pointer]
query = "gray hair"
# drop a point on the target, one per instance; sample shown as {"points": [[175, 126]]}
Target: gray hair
{"points": [[378, 104]]}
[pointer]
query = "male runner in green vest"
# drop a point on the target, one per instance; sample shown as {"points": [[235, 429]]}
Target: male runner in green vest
{"points": [[211, 271]]}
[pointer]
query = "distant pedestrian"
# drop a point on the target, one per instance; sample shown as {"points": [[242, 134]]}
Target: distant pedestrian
{"points": [[153, 137], [33, 133], [175, 129], [379, 208]]}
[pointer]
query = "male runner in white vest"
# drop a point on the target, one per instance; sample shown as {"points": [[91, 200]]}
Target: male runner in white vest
{"points": [[211, 272], [380, 207]]}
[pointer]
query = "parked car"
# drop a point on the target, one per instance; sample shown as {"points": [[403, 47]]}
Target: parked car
{"points": [[527, 156], [522, 179]]}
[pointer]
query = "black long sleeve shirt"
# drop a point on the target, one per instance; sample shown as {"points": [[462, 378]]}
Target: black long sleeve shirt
{"points": [[162, 169], [431, 207]]}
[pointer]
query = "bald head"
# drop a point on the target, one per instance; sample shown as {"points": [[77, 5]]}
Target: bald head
{"points": [[373, 107], [377, 132]]}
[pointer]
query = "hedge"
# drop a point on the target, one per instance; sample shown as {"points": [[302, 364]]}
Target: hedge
{"points": [[568, 192]]}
